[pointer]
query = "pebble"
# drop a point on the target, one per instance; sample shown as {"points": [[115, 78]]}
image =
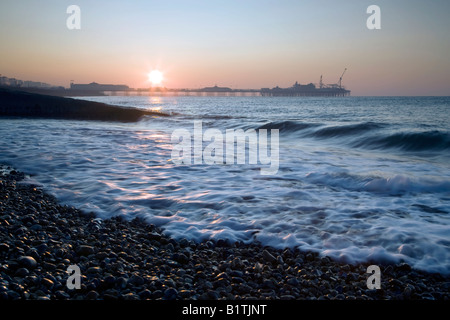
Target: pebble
{"points": [[293, 282], [85, 250], [121, 283], [267, 256], [22, 272], [170, 294], [27, 262], [94, 270], [4, 247], [47, 283], [181, 258], [92, 295], [136, 280]]}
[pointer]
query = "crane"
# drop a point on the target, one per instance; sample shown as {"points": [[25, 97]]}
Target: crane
{"points": [[340, 79]]}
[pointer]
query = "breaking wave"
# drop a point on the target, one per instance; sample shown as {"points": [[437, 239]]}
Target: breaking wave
{"points": [[409, 141], [366, 135]]}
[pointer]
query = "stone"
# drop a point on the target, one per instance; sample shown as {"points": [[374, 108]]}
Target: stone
{"points": [[94, 270], [293, 282], [213, 295], [101, 255], [407, 292], [47, 282], [13, 295], [236, 273], [85, 250], [136, 280], [92, 295], [27, 262], [309, 256], [130, 296], [267, 256], [404, 267], [268, 284], [181, 258], [4, 247], [22, 272], [153, 236], [145, 294], [427, 296], [109, 281], [157, 294], [61, 295], [121, 283], [170, 294]]}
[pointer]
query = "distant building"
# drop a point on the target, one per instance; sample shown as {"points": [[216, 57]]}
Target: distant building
{"points": [[35, 84], [93, 86], [307, 90], [4, 81], [216, 89], [13, 82]]}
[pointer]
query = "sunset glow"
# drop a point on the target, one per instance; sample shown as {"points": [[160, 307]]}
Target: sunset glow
{"points": [[266, 45], [155, 77]]}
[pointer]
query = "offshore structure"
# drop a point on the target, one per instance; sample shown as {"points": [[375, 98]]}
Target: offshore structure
{"points": [[309, 90]]}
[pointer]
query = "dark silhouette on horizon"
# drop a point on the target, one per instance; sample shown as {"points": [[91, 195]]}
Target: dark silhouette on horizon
{"points": [[15, 103]]}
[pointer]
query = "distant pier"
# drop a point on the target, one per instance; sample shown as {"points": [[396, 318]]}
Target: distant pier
{"points": [[309, 90], [297, 90], [96, 89]]}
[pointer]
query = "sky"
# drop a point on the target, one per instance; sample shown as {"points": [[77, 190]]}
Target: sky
{"points": [[232, 43]]}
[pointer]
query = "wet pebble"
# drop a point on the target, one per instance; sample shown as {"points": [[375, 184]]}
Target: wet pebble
{"points": [[85, 250], [27, 262]]}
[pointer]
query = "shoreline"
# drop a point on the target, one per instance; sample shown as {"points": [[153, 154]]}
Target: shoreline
{"points": [[133, 260]]}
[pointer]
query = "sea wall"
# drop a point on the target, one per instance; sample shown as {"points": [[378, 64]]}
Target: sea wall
{"points": [[15, 103]]}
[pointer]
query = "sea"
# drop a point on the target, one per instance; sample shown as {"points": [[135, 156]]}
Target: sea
{"points": [[359, 179]]}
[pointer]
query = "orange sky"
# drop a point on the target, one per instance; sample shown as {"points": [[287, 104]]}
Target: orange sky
{"points": [[239, 44]]}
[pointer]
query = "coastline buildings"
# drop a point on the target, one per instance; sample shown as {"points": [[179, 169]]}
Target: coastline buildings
{"points": [[97, 89], [94, 86], [13, 82]]}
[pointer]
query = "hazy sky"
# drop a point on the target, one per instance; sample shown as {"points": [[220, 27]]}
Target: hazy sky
{"points": [[240, 44]]}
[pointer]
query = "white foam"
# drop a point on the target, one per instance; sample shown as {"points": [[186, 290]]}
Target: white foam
{"points": [[350, 205]]}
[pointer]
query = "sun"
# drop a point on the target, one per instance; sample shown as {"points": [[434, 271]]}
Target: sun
{"points": [[155, 77]]}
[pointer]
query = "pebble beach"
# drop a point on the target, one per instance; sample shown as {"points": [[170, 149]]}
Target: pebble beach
{"points": [[133, 260]]}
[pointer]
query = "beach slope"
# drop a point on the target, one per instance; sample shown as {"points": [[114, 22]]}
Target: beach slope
{"points": [[133, 260]]}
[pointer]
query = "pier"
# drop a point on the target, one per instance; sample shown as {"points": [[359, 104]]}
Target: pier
{"points": [[297, 90], [97, 89], [305, 92]]}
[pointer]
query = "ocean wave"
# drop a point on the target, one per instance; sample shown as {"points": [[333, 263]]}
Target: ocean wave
{"points": [[288, 126], [397, 184], [368, 135], [346, 130], [408, 141]]}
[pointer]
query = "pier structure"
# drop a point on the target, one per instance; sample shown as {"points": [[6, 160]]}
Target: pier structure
{"points": [[308, 90], [97, 89]]}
